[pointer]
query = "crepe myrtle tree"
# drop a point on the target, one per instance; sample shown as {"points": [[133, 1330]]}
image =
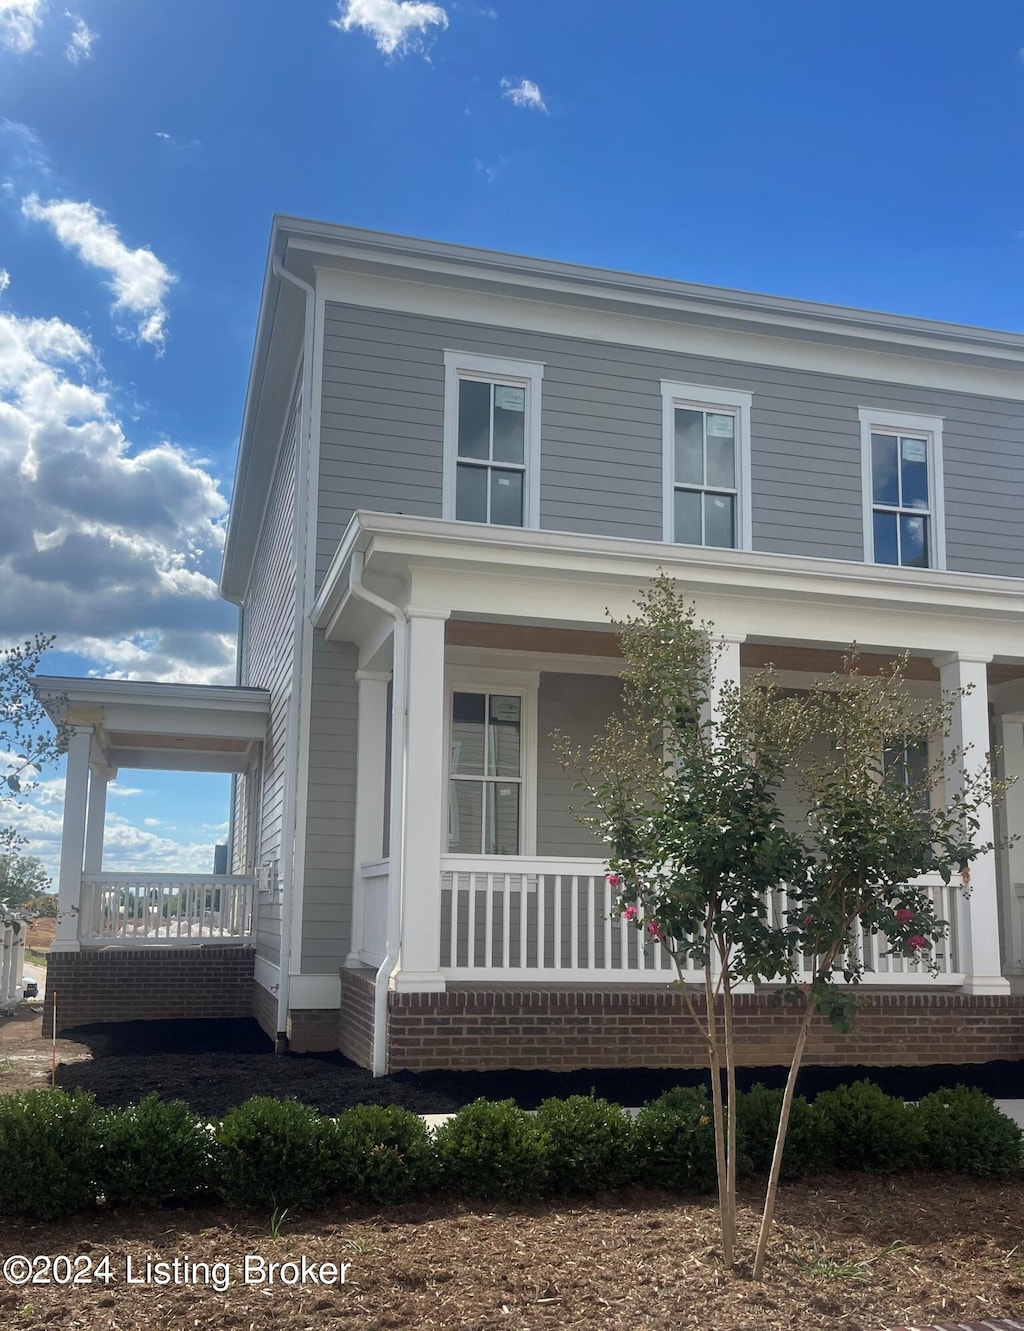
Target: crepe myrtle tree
{"points": [[704, 865], [28, 740]]}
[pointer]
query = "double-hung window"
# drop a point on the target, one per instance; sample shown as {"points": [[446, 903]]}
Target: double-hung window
{"points": [[902, 473], [491, 440], [491, 776], [706, 451]]}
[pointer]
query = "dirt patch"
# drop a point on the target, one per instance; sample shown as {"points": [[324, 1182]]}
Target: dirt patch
{"points": [[41, 933], [851, 1254]]}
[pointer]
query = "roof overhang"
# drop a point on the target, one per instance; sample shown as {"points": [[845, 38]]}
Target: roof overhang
{"points": [[173, 727], [364, 266], [537, 577]]}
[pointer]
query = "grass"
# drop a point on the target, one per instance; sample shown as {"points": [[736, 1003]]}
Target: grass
{"points": [[36, 958]]}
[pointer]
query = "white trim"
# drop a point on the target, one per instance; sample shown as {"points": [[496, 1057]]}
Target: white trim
{"points": [[703, 397], [468, 365], [266, 975], [314, 991], [525, 684], [879, 420], [479, 659]]}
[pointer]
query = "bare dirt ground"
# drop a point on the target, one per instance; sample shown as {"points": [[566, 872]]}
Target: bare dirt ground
{"points": [[851, 1253]]}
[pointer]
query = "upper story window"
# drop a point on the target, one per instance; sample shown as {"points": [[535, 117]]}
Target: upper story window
{"points": [[706, 450], [491, 440], [901, 461]]}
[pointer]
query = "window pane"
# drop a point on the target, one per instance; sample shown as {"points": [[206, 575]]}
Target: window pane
{"points": [[502, 819], [913, 541], [885, 539], [471, 494], [509, 423], [465, 817], [474, 418], [503, 753], [507, 498], [721, 451], [687, 517], [718, 520], [689, 447], [884, 473], [914, 473], [468, 733]]}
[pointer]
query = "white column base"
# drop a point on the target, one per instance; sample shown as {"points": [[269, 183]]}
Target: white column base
{"points": [[986, 984], [418, 982], [65, 945]]}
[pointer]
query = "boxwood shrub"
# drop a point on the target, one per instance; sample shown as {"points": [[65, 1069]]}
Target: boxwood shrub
{"points": [[155, 1152], [863, 1128], [757, 1122], [589, 1145], [675, 1140], [962, 1130], [275, 1154], [492, 1150], [49, 1153], [383, 1153]]}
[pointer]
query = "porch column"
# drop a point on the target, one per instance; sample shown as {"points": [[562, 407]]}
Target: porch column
{"points": [[1011, 741], [979, 940], [420, 952], [72, 841], [371, 759], [100, 777], [726, 668]]}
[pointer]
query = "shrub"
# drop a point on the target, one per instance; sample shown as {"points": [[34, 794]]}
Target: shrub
{"points": [[49, 1153], [757, 1122], [154, 1152], [276, 1153], [675, 1140], [492, 1150], [863, 1128], [589, 1144], [383, 1154], [963, 1131]]}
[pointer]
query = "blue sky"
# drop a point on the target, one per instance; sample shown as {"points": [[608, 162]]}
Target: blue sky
{"points": [[862, 153]]}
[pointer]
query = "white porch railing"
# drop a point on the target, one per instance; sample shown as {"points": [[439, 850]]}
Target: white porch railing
{"points": [[13, 935], [376, 880], [551, 919], [137, 909]]}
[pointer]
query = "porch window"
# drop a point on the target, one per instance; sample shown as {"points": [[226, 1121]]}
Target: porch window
{"points": [[491, 440], [902, 475], [906, 764], [485, 774]]}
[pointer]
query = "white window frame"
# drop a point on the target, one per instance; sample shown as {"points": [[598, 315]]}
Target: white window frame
{"points": [[526, 374], [524, 684], [701, 397], [879, 420]]}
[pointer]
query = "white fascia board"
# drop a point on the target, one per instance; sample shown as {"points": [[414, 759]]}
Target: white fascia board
{"points": [[834, 347], [544, 577]]}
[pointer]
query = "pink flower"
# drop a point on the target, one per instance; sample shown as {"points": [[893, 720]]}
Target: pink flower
{"points": [[630, 913], [615, 880], [904, 914], [917, 943], [810, 919], [654, 929]]}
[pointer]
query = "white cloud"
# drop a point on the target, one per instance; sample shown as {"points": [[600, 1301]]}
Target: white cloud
{"points": [[138, 279], [19, 22], [395, 25], [115, 548], [525, 94], [115, 788], [81, 41]]}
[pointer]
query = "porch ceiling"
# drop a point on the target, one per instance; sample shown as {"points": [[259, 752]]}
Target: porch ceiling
{"points": [[172, 727]]}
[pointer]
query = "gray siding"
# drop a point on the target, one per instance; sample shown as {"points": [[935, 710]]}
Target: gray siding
{"points": [[266, 654], [601, 464], [577, 706], [330, 810]]}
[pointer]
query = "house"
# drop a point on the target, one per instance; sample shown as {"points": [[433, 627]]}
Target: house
{"points": [[453, 464]]}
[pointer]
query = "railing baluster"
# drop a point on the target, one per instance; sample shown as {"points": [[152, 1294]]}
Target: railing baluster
{"points": [[574, 918], [471, 922], [607, 895], [506, 921]]}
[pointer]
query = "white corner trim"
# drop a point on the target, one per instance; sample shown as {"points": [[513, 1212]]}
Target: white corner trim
{"points": [[882, 420], [267, 975], [315, 991], [530, 374], [707, 397]]}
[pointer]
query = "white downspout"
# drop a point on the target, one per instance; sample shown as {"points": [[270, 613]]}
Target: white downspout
{"points": [[291, 748], [396, 831]]}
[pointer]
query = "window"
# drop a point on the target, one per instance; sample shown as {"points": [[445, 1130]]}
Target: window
{"points": [[492, 763], [907, 765], [901, 458], [706, 442], [491, 440]]}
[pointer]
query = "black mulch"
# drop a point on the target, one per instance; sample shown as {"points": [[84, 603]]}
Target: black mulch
{"points": [[216, 1065]]}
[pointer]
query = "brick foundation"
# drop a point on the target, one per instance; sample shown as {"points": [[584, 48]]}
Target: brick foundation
{"points": [[355, 1024], [481, 1030], [148, 984], [264, 1009], [312, 1030]]}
